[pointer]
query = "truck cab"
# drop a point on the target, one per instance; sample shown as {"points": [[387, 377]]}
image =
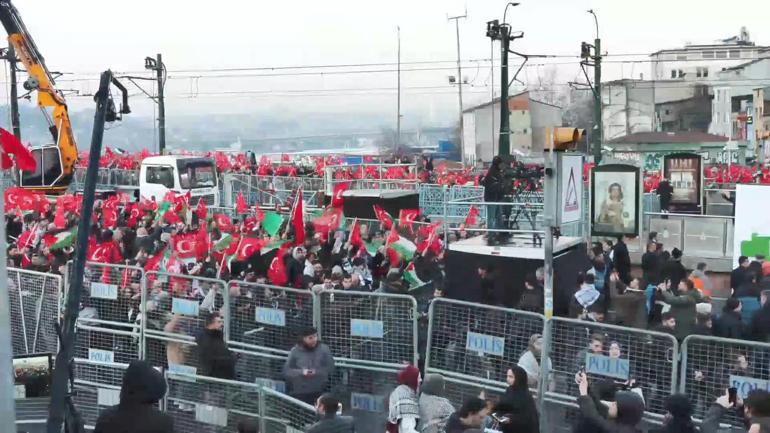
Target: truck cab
{"points": [[161, 174]]}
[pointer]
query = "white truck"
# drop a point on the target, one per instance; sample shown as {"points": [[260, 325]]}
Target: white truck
{"points": [[161, 174]]}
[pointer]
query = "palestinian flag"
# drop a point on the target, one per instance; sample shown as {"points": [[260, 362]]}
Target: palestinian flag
{"points": [[372, 247], [162, 209], [410, 275], [223, 243], [272, 246], [402, 246], [64, 239], [328, 221]]}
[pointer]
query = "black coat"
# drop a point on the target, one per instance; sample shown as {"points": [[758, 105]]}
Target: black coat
{"points": [[760, 324], [143, 387], [737, 277], [215, 358], [651, 268], [675, 271], [622, 262], [729, 325], [493, 185]]}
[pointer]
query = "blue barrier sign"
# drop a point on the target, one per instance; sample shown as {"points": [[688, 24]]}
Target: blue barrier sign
{"points": [[605, 366], [275, 385], [104, 291], [366, 328], [367, 402], [184, 306], [271, 316], [101, 356], [746, 384], [482, 343]]}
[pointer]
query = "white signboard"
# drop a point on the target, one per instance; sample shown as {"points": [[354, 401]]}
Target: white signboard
{"points": [[571, 188], [211, 415], [107, 396], [751, 235], [104, 291]]}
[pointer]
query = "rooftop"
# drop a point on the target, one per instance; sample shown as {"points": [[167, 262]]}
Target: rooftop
{"points": [[497, 100], [669, 137]]}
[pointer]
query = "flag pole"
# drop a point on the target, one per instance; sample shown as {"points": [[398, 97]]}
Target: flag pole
{"points": [[224, 255]]}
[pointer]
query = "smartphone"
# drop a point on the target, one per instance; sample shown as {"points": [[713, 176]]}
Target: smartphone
{"points": [[733, 395], [339, 409]]}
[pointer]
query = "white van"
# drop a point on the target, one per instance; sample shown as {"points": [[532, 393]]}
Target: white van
{"points": [[161, 174]]}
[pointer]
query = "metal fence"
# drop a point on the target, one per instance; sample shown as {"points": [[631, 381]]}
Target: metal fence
{"points": [[97, 387], [706, 236], [108, 328], [650, 358], [34, 299], [710, 365], [435, 200], [474, 345], [267, 318], [211, 405], [364, 391], [370, 328]]}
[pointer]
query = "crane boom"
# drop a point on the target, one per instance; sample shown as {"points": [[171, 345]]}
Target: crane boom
{"points": [[56, 162]]}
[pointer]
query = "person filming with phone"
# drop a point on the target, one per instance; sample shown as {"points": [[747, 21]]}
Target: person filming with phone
{"points": [[755, 408]]}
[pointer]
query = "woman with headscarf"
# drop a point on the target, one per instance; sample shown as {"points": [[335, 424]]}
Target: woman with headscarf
{"points": [[530, 361], [517, 404], [678, 415], [403, 407], [435, 409]]}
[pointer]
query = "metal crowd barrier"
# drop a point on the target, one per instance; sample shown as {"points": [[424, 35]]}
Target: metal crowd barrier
{"points": [[650, 358], [266, 318], [474, 345], [363, 391], [369, 328], [108, 327], [207, 404], [707, 236], [97, 387], [710, 365], [34, 306]]}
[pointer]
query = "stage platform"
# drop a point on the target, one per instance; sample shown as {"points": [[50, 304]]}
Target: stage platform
{"points": [[519, 247]]}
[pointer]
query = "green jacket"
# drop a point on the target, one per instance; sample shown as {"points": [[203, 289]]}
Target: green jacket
{"points": [[683, 309]]}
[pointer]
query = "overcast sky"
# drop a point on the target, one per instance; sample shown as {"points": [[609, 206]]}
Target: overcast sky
{"points": [[87, 36]]}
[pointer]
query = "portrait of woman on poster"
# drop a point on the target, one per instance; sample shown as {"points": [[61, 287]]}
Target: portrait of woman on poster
{"points": [[611, 212]]}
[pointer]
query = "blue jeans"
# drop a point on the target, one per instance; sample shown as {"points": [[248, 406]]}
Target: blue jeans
{"points": [[494, 215]]}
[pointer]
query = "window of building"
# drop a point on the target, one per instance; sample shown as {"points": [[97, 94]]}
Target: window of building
{"points": [[681, 73], [673, 73], [525, 130], [668, 112], [735, 54], [708, 54], [721, 54], [701, 72]]}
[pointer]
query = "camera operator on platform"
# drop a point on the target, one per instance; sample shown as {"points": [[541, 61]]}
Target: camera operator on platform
{"points": [[493, 192]]}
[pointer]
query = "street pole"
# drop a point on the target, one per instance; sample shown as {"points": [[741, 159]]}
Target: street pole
{"points": [[492, 87], [161, 69], [597, 135], [11, 58], [398, 97], [7, 404], [505, 121], [459, 77]]}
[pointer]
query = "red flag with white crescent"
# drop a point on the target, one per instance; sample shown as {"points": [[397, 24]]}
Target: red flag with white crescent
{"points": [[339, 190], [248, 246]]}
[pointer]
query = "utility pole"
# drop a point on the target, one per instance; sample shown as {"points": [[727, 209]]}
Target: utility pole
{"points": [[398, 97], [502, 32], [157, 65], [9, 55], [459, 76], [595, 60]]}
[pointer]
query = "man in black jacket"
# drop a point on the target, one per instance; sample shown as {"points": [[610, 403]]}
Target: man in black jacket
{"points": [[760, 323], [215, 359], [673, 268], [622, 260], [143, 387], [493, 192], [738, 276], [327, 407]]}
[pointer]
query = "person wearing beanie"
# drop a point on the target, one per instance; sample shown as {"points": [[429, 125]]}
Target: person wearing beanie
{"points": [[308, 367], [435, 409], [729, 323], [678, 416], [404, 407]]}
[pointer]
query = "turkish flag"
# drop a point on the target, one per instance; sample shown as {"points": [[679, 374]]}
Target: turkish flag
{"points": [[406, 217], [339, 189], [201, 242], [134, 213], [258, 214], [109, 216], [171, 217], [277, 271], [200, 210], [224, 222], [12, 146], [329, 221], [472, 217], [16, 197], [185, 245], [58, 220], [355, 235], [298, 220], [248, 246], [240, 204], [383, 217]]}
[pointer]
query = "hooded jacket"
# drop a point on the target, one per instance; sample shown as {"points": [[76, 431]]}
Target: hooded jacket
{"points": [[435, 409], [138, 412], [630, 412], [318, 359]]}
